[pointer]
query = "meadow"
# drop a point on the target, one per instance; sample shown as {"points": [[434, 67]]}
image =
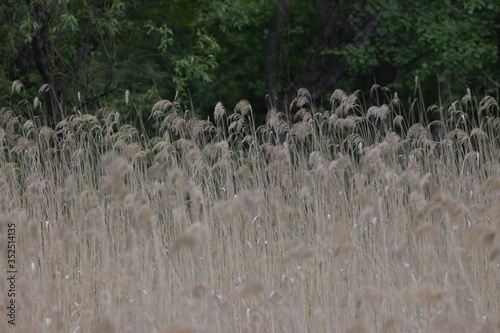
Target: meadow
{"points": [[353, 219]]}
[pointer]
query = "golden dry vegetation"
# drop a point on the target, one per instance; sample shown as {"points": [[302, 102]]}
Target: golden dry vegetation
{"points": [[346, 220]]}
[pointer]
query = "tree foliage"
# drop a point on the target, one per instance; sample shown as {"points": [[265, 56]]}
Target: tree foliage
{"points": [[89, 53], [451, 42]]}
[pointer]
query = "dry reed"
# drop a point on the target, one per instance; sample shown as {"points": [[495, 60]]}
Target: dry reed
{"points": [[336, 223]]}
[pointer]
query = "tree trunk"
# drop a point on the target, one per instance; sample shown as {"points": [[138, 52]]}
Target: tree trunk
{"points": [[273, 48], [45, 68], [323, 70]]}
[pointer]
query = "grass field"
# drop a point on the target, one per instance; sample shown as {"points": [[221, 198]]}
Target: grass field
{"points": [[353, 219]]}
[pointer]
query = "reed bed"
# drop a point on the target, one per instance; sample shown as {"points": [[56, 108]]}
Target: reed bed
{"points": [[351, 219]]}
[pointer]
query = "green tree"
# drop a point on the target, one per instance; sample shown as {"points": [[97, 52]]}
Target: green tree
{"points": [[89, 53], [454, 43]]}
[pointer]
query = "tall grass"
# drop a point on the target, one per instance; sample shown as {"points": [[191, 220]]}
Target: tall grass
{"points": [[353, 219]]}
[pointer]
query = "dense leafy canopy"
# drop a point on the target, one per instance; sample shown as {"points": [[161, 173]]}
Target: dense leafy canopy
{"points": [[90, 53]]}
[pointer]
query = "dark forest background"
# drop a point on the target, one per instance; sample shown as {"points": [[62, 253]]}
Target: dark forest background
{"points": [[79, 56]]}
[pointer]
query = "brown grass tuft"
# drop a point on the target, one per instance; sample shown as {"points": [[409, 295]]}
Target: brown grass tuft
{"points": [[299, 253], [250, 287], [192, 236], [243, 107], [219, 112], [483, 234]]}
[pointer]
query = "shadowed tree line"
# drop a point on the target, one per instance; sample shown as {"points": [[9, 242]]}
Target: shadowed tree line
{"points": [[78, 56]]}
